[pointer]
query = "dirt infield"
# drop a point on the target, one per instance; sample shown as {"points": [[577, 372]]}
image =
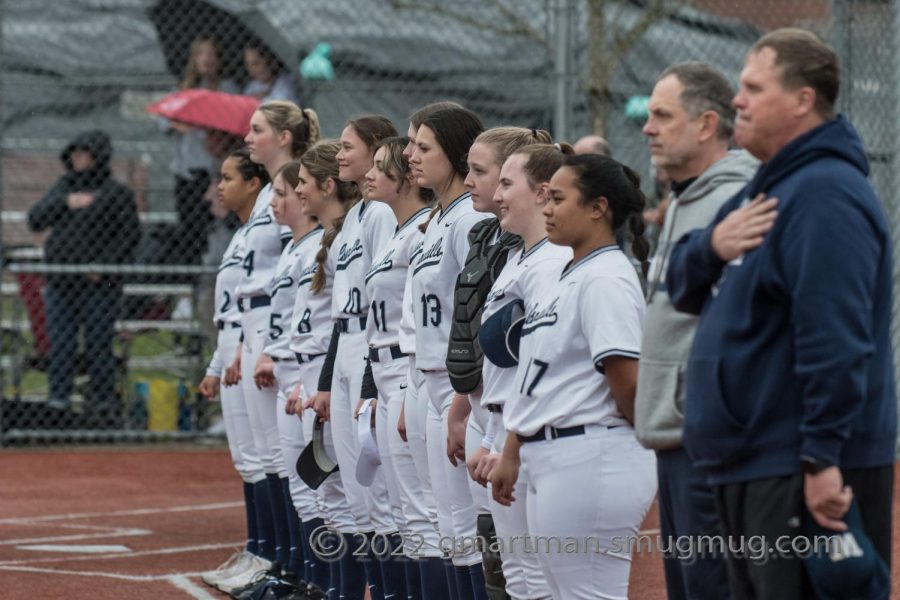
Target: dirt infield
{"points": [[144, 523]]}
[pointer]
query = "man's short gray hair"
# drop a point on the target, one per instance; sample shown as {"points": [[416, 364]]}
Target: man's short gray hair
{"points": [[705, 88]]}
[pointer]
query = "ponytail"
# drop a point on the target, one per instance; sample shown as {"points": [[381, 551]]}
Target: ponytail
{"points": [[604, 176], [321, 162]]}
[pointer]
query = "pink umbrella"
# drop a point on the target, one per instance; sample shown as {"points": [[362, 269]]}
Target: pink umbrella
{"points": [[205, 108]]}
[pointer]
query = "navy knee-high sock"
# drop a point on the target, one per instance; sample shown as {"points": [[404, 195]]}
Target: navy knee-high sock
{"points": [[265, 525], [250, 511], [371, 564], [383, 549], [317, 569], [334, 580], [295, 562], [450, 574], [434, 579], [464, 589], [413, 578], [279, 517], [479, 589], [353, 573]]}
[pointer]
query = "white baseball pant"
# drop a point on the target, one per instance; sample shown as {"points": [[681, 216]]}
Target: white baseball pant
{"points": [[370, 506], [615, 479], [449, 483], [293, 440], [260, 402], [234, 413], [330, 497], [420, 537]]}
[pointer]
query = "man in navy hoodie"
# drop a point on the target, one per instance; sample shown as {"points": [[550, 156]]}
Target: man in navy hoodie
{"points": [[790, 404]]}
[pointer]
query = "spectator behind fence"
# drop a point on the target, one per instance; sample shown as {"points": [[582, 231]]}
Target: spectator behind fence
{"points": [[94, 221], [194, 162], [269, 80]]}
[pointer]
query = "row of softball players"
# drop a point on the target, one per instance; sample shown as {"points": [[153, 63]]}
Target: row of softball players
{"points": [[391, 300]]}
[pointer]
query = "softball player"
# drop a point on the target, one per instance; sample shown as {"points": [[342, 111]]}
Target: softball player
{"points": [[520, 198], [326, 199], [570, 421], [390, 180], [438, 162], [280, 362], [366, 228], [240, 183], [414, 413], [278, 131]]}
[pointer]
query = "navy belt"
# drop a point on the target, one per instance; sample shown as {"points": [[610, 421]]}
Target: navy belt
{"points": [[561, 432], [396, 353], [245, 304], [222, 325], [344, 325], [305, 358], [495, 408]]}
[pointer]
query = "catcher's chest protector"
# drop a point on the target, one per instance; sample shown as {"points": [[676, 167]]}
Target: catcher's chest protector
{"points": [[483, 264]]}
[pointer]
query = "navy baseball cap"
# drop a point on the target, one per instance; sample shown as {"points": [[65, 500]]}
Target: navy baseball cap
{"points": [[314, 465], [499, 335], [848, 566]]}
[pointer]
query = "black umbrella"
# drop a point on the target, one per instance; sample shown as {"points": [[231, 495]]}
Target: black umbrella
{"points": [[180, 22]]}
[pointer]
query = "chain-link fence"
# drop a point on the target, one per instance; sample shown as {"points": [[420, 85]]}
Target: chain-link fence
{"points": [[106, 307]]}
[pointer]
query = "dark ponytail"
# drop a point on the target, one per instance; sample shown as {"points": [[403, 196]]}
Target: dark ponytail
{"points": [[603, 176]]}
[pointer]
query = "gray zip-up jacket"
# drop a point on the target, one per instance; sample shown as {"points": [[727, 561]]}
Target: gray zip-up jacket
{"points": [[668, 333]]}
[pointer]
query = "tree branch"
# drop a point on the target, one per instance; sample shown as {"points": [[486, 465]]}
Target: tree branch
{"points": [[520, 26]]}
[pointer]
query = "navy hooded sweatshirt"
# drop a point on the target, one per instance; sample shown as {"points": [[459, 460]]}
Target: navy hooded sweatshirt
{"points": [[792, 356]]}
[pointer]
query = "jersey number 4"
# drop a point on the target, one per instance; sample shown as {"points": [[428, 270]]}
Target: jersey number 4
{"points": [[248, 263], [540, 368]]}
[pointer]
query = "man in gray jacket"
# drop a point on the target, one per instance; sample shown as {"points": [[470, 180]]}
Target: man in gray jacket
{"points": [[689, 128]]}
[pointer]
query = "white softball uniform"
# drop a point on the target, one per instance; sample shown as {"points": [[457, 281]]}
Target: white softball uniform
{"points": [[435, 270], [385, 285], [310, 334], [282, 289], [524, 271], [366, 229], [234, 408], [578, 438], [415, 401], [262, 249]]}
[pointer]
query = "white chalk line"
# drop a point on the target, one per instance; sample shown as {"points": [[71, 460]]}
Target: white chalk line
{"points": [[190, 588], [110, 532], [123, 576], [156, 552], [121, 513]]}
